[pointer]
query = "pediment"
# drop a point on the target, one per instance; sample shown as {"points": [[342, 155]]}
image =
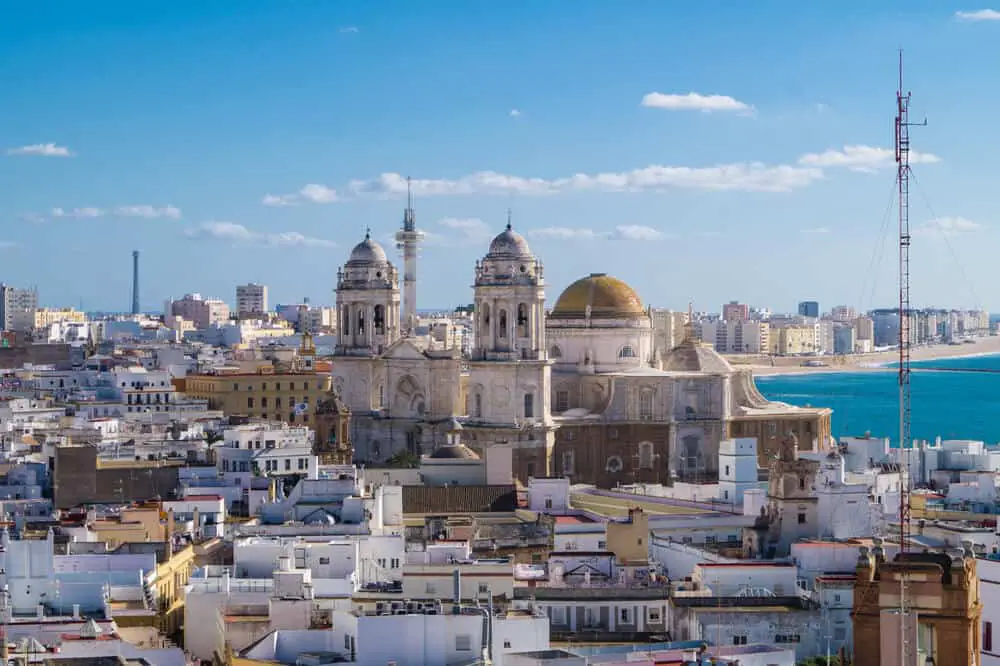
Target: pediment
{"points": [[403, 350]]}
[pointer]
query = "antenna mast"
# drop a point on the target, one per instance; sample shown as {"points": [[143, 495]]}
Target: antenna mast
{"points": [[903, 125]]}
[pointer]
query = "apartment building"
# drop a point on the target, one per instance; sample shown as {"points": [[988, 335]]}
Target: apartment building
{"points": [[267, 393], [251, 300]]}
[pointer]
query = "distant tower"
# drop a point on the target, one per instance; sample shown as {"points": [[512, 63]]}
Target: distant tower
{"points": [[407, 240], [135, 282]]}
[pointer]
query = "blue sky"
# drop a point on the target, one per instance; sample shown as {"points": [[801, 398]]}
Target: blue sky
{"points": [[699, 151]]}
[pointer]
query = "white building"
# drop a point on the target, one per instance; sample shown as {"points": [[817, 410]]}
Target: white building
{"points": [[989, 594], [737, 469], [269, 450], [203, 312], [737, 337], [251, 300], [14, 301]]}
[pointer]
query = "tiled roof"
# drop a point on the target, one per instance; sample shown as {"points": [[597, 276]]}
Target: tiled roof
{"points": [[459, 499]]}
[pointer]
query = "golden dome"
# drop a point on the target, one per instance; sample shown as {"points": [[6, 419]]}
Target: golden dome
{"points": [[606, 296]]}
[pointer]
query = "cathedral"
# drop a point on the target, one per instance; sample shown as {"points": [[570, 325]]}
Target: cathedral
{"points": [[580, 391]]}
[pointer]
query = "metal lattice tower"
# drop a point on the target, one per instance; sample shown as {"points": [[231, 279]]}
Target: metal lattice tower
{"points": [[408, 240], [135, 282]]}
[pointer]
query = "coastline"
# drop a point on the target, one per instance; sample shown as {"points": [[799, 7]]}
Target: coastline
{"points": [[874, 362]]}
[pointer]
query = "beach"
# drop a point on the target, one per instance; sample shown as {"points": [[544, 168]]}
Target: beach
{"points": [[874, 362]]}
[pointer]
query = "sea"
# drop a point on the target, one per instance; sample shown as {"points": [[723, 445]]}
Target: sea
{"points": [[950, 405]]}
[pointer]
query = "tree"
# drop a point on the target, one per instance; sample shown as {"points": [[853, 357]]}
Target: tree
{"points": [[404, 460]]}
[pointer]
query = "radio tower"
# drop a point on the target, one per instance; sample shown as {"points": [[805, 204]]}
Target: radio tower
{"points": [[408, 239], [135, 282], [903, 182]]}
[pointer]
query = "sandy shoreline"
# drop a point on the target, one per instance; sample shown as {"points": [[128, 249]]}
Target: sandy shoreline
{"points": [[875, 362]]}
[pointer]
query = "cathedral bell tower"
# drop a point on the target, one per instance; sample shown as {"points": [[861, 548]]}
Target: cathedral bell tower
{"points": [[367, 301], [510, 302]]}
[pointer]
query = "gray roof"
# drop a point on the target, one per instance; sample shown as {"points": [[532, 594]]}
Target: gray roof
{"points": [[694, 356], [367, 252], [509, 245]]}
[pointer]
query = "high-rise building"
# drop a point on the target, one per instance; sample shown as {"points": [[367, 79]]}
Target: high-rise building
{"points": [[733, 311], [844, 313], [203, 312], [251, 300], [809, 308], [14, 301]]}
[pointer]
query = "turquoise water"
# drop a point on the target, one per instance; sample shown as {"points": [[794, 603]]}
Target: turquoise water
{"points": [[952, 405]]}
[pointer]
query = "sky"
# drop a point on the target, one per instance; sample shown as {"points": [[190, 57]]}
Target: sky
{"points": [[702, 152]]}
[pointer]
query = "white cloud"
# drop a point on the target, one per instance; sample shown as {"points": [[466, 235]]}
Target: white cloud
{"points": [[349, 30], [318, 193], [279, 200], [815, 230], [312, 192], [6, 245], [85, 212], [630, 232], [467, 230], [693, 101], [149, 212], [947, 226], [746, 177], [867, 159], [237, 233], [515, 113], [42, 150], [979, 15]]}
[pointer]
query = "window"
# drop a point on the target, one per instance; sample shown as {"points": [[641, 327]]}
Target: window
{"points": [[302, 463], [802, 483], [786, 638], [502, 327], [478, 412], [646, 405], [324, 560], [555, 352], [802, 519], [987, 636], [567, 463], [249, 403], [291, 386], [529, 405], [263, 387], [484, 588], [463, 643], [506, 644], [263, 402], [840, 634], [277, 403], [558, 615], [727, 470], [646, 455], [522, 320], [740, 639], [548, 502], [602, 545], [395, 563], [288, 464], [653, 615], [627, 352], [625, 615], [562, 401]]}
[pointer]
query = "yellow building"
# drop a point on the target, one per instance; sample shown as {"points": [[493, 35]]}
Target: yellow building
{"points": [[42, 318], [171, 576], [267, 393], [792, 340]]}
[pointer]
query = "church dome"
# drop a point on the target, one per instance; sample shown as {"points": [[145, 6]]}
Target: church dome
{"points": [[454, 452], [367, 252], [509, 245], [606, 296], [693, 356]]}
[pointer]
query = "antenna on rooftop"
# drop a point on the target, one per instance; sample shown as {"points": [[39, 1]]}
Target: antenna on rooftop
{"points": [[903, 125]]}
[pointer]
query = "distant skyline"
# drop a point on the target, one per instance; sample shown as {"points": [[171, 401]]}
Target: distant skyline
{"points": [[699, 157]]}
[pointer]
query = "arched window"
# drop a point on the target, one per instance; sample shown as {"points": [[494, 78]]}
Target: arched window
{"points": [[502, 324], [478, 412], [646, 404], [484, 320], [379, 319], [522, 321], [529, 405], [627, 352], [345, 320], [555, 352], [361, 322], [645, 455]]}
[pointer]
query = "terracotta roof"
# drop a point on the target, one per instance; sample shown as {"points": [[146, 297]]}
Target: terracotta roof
{"points": [[459, 499]]}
